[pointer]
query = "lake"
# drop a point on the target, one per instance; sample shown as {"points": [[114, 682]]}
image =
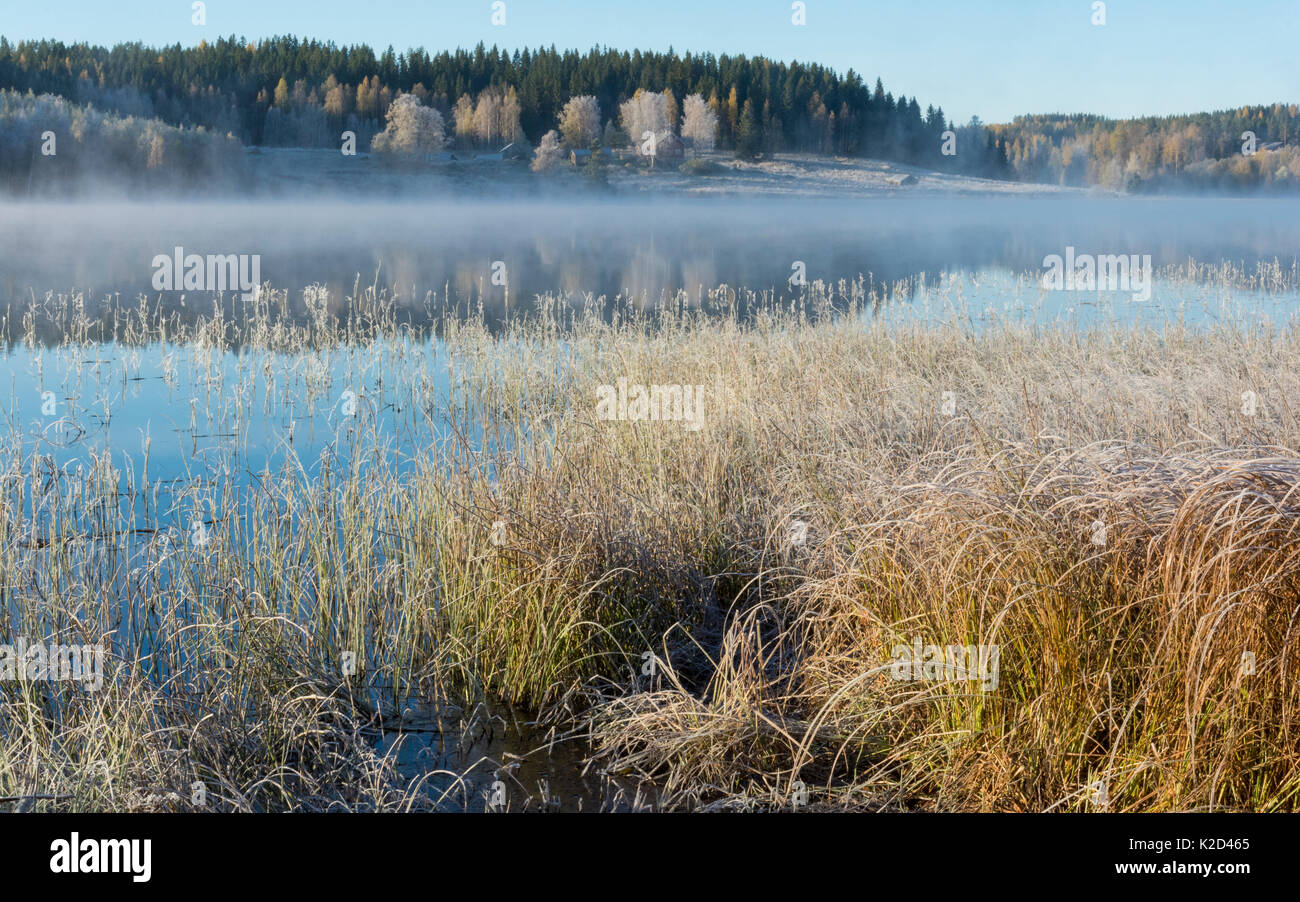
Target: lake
{"points": [[427, 253]]}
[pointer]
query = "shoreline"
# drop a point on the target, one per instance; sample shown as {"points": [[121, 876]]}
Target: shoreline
{"points": [[795, 176]]}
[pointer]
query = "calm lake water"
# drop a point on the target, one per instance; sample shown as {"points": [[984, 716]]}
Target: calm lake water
{"points": [[645, 250]]}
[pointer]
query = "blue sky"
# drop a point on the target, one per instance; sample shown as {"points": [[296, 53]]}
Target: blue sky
{"points": [[992, 58]]}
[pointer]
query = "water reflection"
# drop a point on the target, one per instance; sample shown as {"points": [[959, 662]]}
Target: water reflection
{"points": [[503, 255]]}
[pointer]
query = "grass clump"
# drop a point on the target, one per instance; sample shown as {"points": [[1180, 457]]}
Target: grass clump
{"points": [[1093, 502]]}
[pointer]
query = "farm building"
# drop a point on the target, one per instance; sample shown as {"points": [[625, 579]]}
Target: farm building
{"points": [[666, 145], [512, 151]]}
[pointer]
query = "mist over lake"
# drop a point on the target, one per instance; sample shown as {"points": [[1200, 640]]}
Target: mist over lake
{"points": [[432, 251]]}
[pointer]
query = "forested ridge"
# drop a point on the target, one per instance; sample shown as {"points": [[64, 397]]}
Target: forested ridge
{"points": [[306, 91], [288, 91]]}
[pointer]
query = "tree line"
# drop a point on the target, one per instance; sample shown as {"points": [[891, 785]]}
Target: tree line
{"points": [[1245, 148], [286, 90]]}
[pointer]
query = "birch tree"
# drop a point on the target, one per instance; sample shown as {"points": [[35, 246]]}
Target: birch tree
{"points": [[580, 121], [699, 123], [549, 153], [645, 111], [412, 128]]}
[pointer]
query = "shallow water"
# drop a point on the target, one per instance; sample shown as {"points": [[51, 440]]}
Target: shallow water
{"points": [[504, 763], [182, 420]]}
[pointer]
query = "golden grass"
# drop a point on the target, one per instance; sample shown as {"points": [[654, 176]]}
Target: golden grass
{"points": [[623, 544]]}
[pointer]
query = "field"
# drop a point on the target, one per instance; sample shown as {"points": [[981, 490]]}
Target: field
{"points": [[785, 175], [709, 616]]}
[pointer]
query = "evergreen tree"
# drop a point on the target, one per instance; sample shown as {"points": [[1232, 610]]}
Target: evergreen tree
{"points": [[749, 139]]}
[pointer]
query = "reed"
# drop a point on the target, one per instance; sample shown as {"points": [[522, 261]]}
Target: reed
{"points": [[1095, 502]]}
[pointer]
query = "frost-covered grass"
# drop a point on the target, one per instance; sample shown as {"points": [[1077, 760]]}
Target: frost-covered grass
{"points": [[1097, 504]]}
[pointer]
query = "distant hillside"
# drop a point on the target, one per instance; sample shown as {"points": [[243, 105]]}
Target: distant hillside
{"points": [[1201, 151]]}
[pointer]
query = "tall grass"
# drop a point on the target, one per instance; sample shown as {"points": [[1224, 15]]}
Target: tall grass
{"points": [[634, 584]]}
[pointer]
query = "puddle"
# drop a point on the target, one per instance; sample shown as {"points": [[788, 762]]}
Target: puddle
{"points": [[505, 763]]}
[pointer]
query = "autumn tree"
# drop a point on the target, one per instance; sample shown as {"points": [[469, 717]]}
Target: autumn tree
{"points": [[549, 154], [699, 123], [412, 128], [338, 98], [580, 121], [487, 117], [508, 128], [644, 112], [463, 116]]}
